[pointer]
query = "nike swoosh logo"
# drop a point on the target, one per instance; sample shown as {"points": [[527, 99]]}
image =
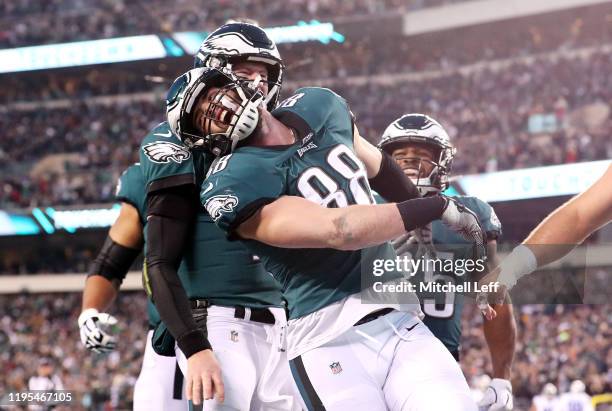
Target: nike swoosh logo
{"points": [[411, 328], [207, 189], [168, 134]]}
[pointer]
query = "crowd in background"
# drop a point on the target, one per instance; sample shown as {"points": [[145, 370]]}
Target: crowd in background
{"points": [[35, 326], [487, 112], [555, 344], [364, 54], [30, 22]]}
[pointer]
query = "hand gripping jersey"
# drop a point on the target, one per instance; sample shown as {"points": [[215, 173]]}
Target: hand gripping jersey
{"points": [[130, 189], [321, 167], [223, 272]]}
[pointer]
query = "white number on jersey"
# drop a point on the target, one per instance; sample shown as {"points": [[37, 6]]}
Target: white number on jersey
{"points": [[430, 307], [317, 186], [290, 101]]}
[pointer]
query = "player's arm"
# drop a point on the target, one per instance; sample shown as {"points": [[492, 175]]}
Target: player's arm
{"points": [[561, 231], [384, 175], [122, 246], [500, 332], [171, 213], [348, 228]]}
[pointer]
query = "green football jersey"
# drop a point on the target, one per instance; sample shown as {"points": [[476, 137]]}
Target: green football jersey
{"points": [[130, 189], [443, 311], [224, 272], [322, 167], [444, 317]]}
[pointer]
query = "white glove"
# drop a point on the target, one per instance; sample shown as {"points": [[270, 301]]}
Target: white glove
{"points": [[93, 335], [497, 397], [464, 222]]}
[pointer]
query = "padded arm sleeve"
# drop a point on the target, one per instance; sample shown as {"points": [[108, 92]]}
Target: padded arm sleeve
{"points": [[171, 213]]}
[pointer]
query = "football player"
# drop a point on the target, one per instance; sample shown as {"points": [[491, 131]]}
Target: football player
{"points": [[296, 190], [422, 148], [159, 375], [557, 235], [211, 293], [576, 399], [548, 400]]}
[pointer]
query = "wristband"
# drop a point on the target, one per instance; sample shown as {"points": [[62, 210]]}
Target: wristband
{"points": [[421, 211], [519, 263]]}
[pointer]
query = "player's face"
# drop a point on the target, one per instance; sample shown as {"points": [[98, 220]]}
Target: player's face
{"points": [[216, 120], [249, 71], [409, 157]]}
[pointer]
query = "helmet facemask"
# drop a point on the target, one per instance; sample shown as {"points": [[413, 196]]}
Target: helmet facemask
{"points": [[234, 108], [423, 130], [438, 178]]}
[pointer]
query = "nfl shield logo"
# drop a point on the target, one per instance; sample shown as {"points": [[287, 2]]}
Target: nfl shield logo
{"points": [[336, 368], [234, 336]]}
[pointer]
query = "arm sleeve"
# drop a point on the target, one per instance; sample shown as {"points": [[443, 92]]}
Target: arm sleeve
{"points": [[170, 216], [391, 182]]}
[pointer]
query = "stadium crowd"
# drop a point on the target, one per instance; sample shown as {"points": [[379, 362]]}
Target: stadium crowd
{"points": [[492, 113], [556, 344], [28, 22], [359, 55], [44, 326]]}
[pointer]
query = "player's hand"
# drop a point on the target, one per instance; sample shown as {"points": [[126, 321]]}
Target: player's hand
{"points": [[496, 295], [464, 222], [204, 380], [93, 325], [498, 396]]}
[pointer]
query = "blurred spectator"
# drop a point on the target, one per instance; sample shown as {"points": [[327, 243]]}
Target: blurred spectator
{"points": [[28, 22], [556, 344], [44, 325], [45, 380], [498, 117]]}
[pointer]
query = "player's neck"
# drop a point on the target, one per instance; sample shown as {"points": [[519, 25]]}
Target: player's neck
{"points": [[272, 132]]}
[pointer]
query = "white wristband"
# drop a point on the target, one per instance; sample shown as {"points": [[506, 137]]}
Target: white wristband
{"points": [[519, 263]]}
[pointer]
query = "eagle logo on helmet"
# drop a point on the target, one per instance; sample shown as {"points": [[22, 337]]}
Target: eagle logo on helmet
{"points": [[165, 151], [221, 204]]}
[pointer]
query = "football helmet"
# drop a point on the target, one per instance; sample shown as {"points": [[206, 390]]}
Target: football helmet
{"points": [[422, 129], [240, 41], [234, 107]]}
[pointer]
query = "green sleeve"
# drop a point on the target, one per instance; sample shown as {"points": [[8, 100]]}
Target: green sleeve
{"points": [[488, 219], [316, 109], [234, 192], [130, 189], [165, 160]]}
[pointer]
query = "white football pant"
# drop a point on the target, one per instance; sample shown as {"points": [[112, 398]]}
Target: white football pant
{"points": [[255, 372], [390, 363], [155, 387]]}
